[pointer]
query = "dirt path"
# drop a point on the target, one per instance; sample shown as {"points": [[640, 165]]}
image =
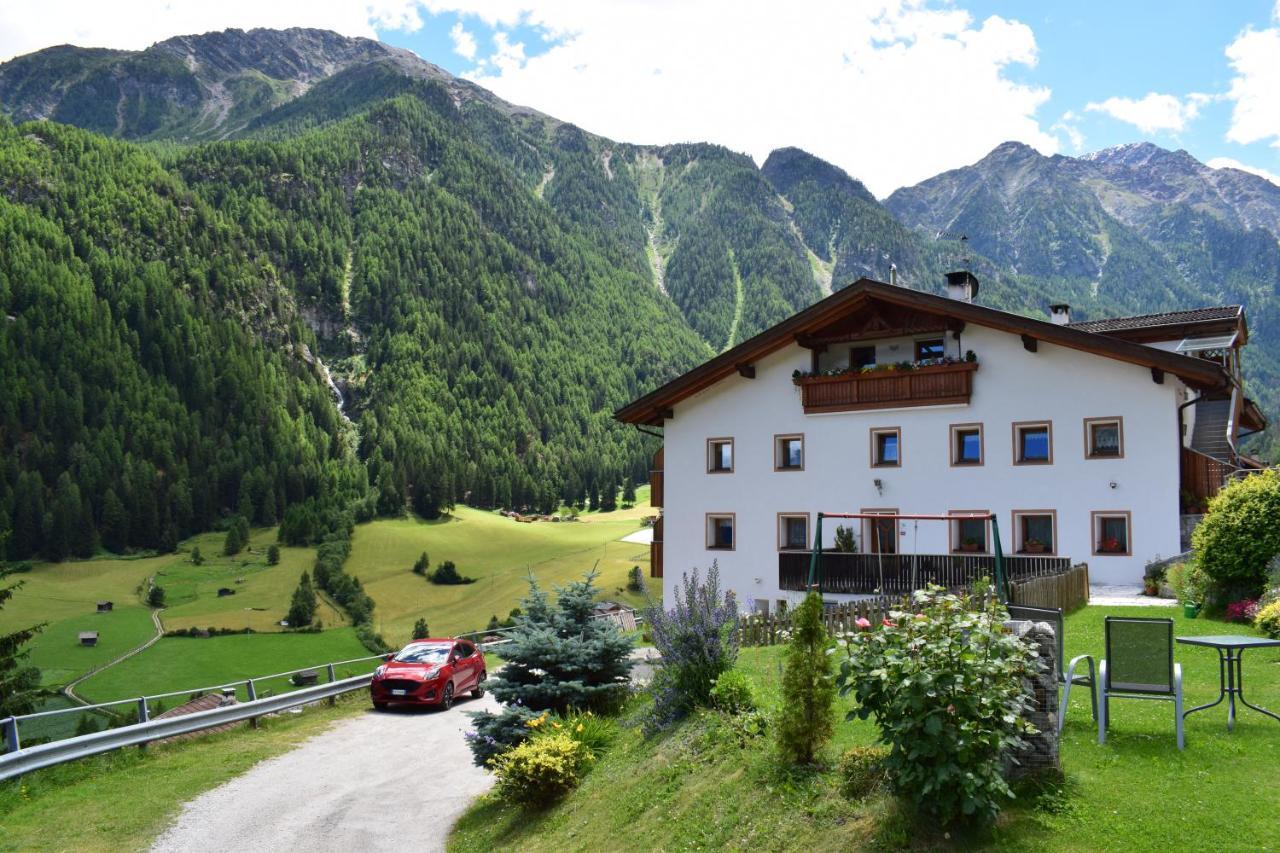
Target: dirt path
{"points": [[70, 690], [394, 780]]}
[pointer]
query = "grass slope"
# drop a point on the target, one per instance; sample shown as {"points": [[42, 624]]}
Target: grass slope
{"points": [[498, 552], [697, 788], [123, 800]]}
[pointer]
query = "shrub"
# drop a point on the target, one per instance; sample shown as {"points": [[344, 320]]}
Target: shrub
{"points": [[1239, 536], [273, 555], [862, 771], [946, 685], [732, 693], [155, 596], [540, 771], [1243, 610], [422, 565], [1268, 619], [196, 557], [494, 624], [420, 629], [494, 734], [806, 717], [446, 574], [844, 539], [697, 640], [635, 579], [1189, 582], [593, 732]]}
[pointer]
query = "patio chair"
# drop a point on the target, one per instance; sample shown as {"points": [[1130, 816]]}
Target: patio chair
{"points": [[1139, 665], [1066, 678]]}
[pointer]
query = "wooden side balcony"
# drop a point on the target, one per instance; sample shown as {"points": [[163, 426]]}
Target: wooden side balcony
{"points": [[899, 574], [655, 481], [655, 550], [936, 385]]}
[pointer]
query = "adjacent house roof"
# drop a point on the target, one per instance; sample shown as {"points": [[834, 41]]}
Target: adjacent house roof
{"points": [[1170, 324], [655, 406]]}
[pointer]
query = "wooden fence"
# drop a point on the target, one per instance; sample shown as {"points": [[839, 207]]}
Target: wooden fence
{"points": [[899, 574], [1065, 590]]}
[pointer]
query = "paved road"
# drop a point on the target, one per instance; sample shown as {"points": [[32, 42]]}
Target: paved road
{"points": [[380, 781]]}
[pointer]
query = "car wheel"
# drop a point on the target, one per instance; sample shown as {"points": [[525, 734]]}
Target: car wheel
{"points": [[446, 698], [478, 690], [379, 706]]}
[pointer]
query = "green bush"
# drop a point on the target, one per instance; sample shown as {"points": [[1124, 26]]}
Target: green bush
{"points": [[947, 687], [1268, 619], [1239, 536], [446, 574], [540, 771], [1188, 581], [273, 555], [862, 771], [593, 732], [732, 693], [495, 734], [806, 718]]}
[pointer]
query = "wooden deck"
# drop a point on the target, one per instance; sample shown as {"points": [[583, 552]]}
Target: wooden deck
{"points": [[899, 574]]}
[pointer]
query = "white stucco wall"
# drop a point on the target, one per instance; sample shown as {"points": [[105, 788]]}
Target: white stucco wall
{"points": [[1057, 384]]}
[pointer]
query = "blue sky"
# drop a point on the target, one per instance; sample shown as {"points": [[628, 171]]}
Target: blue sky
{"points": [[894, 91]]}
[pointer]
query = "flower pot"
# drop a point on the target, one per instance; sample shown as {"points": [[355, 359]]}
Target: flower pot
{"points": [[1191, 611]]}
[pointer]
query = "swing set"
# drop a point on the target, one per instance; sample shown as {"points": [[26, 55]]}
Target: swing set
{"points": [[815, 561]]}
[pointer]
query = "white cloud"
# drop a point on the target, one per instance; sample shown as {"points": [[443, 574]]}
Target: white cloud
{"points": [[894, 91], [891, 90], [1228, 163], [1255, 57], [1153, 112], [464, 43], [1067, 127]]}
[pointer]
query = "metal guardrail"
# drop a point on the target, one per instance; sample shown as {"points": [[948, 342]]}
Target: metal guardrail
{"points": [[48, 754]]}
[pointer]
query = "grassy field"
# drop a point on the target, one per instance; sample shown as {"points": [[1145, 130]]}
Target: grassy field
{"points": [[123, 800], [499, 553], [178, 663], [700, 787]]}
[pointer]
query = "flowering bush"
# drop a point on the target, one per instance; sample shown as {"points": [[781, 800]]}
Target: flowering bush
{"points": [[698, 640], [1268, 619], [497, 733], [540, 771], [947, 687], [1243, 610]]}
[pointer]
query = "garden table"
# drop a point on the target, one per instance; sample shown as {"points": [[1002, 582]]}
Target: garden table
{"points": [[1230, 676]]}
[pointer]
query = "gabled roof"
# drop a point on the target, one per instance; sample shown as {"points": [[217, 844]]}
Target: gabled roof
{"points": [[1175, 323], [655, 406]]}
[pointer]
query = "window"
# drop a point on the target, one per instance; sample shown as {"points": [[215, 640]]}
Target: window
{"points": [[788, 453], [719, 455], [969, 535], [720, 531], [1033, 443], [1111, 534], [793, 531], [929, 348], [881, 535], [860, 357], [1103, 438], [966, 444], [886, 447], [1035, 531]]}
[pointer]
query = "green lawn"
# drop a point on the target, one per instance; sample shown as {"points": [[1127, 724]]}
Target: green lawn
{"points": [[698, 788], [178, 663], [499, 553]]}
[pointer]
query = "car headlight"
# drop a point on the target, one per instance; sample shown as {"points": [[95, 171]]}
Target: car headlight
{"points": [[378, 673], [431, 674]]}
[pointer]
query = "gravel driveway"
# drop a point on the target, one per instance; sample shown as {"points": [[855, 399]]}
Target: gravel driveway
{"points": [[395, 780]]}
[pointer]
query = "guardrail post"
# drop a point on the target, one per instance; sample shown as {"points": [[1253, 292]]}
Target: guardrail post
{"points": [[333, 676], [143, 716], [11, 742], [253, 696]]}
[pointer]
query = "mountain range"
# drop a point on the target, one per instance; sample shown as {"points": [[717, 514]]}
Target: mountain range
{"points": [[207, 242]]}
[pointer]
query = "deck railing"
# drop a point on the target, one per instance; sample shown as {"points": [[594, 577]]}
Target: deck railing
{"points": [[900, 574], [935, 385]]}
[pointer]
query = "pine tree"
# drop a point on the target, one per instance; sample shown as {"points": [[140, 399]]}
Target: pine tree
{"points": [[609, 497], [237, 537], [196, 557], [628, 490], [19, 682], [302, 609], [115, 523], [420, 630], [806, 720], [273, 554], [65, 519], [494, 624], [422, 566], [155, 596]]}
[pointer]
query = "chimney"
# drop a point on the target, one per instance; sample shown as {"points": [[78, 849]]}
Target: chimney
{"points": [[1060, 314], [962, 286]]}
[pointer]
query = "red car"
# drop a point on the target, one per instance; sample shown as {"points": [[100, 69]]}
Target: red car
{"points": [[429, 672]]}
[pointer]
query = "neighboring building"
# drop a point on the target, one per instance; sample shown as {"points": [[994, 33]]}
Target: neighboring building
{"points": [[1087, 440], [88, 638], [105, 606]]}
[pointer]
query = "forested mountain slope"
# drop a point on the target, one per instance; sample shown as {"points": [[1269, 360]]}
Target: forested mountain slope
{"points": [[485, 283]]}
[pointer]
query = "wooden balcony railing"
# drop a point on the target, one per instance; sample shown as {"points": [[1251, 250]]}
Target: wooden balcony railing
{"points": [[937, 385], [899, 574]]}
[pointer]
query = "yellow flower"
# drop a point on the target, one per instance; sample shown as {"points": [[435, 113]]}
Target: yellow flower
{"points": [[557, 725], [579, 728]]}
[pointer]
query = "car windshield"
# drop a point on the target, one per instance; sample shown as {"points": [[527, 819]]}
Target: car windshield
{"points": [[424, 654]]}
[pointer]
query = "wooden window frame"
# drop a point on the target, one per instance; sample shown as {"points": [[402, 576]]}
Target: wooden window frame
{"points": [[953, 531], [733, 454], [782, 530], [954, 432], [915, 347], [778, 455], [1016, 529], [1018, 427], [876, 431], [1095, 530], [868, 528], [1089, 423], [708, 539]]}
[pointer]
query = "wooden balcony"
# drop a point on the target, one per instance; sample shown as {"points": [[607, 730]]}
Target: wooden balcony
{"points": [[900, 574], [937, 385], [655, 551], [1202, 478], [655, 480]]}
